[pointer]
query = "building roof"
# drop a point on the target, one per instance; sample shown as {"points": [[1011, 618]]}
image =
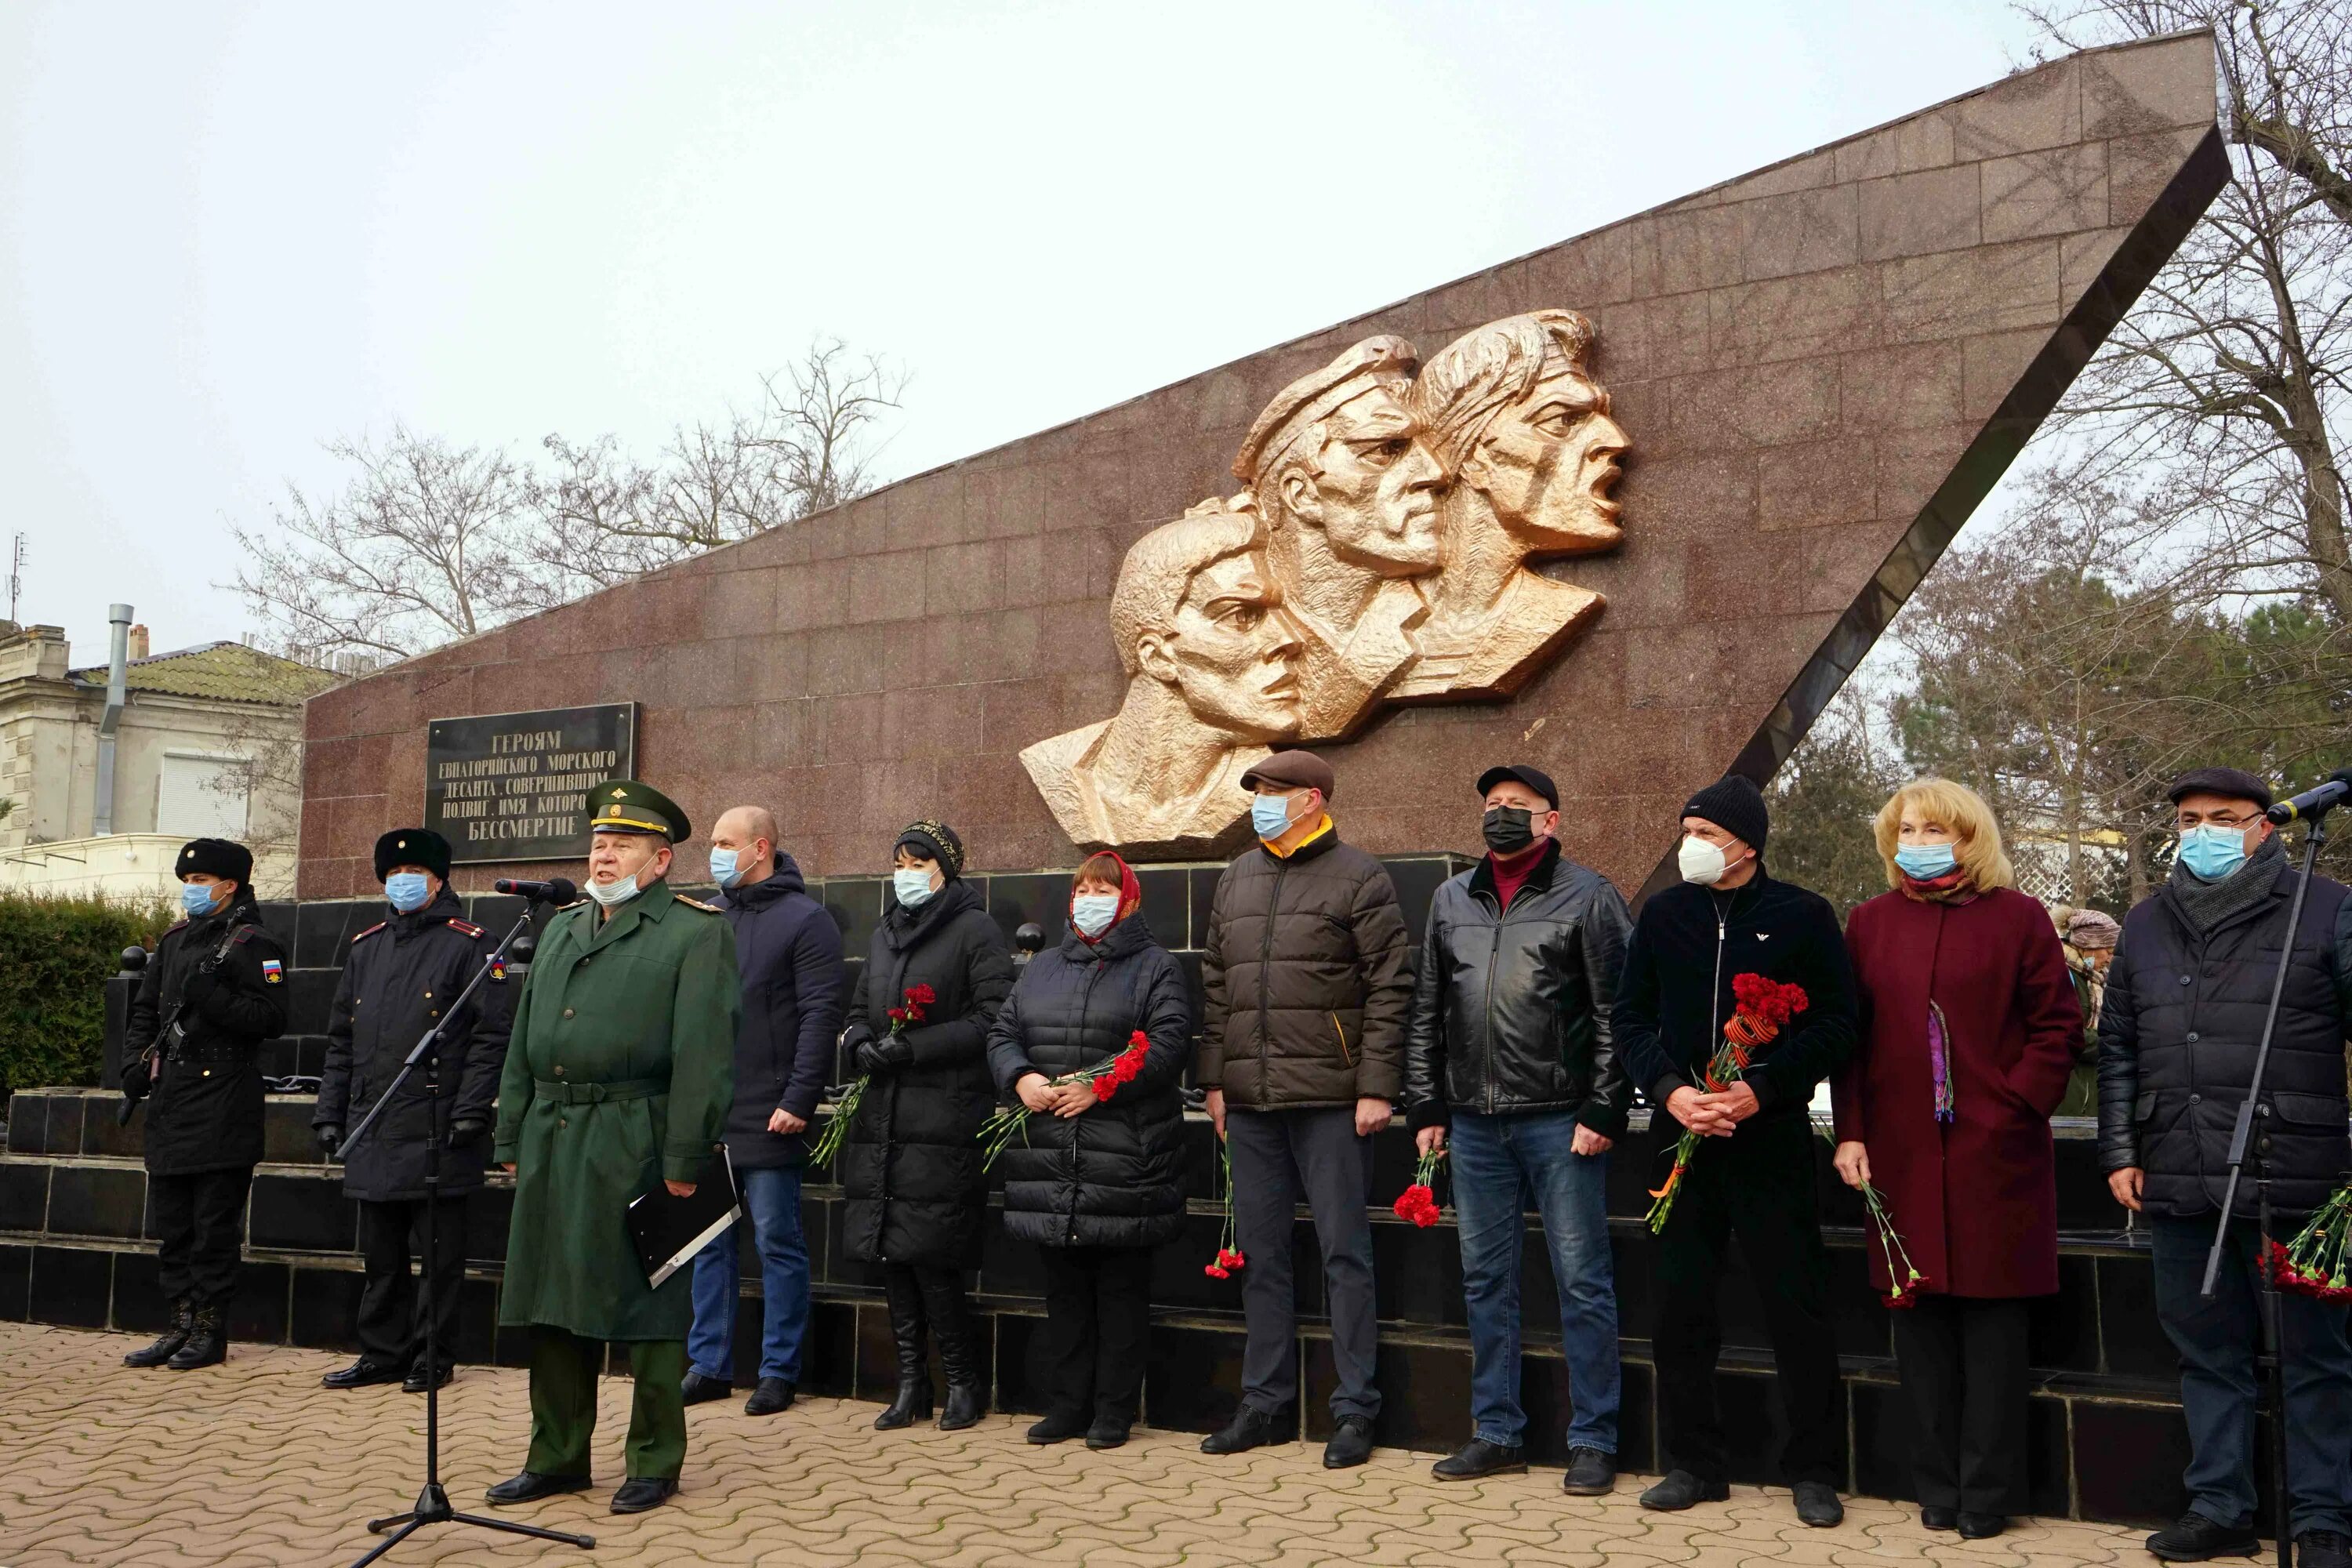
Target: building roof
{"points": [[223, 671]]}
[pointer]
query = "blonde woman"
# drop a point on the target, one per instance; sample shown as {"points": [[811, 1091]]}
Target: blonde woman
{"points": [[1968, 1030]]}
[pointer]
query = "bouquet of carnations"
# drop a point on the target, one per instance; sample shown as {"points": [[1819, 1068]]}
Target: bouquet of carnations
{"points": [[1419, 1202], [1908, 1282], [1761, 1006], [1013, 1121], [910, 1010], [1229, 1250], [2316, 1262]]}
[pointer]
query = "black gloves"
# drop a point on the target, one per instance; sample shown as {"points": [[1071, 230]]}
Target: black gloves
{"points": [[330, 1138], [465, 1130], [137, 1081], [885, 1055]]}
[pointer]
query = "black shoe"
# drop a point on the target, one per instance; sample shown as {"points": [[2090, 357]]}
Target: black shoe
{"points": [[1981, 1526], [167, 1344], [640, 1493], [208, 1343], [1350, 1443], [1248, 1430], [1938, 1518], [908, 1324], [1055, 1428], [697, 1389], [1679, 1489], [420, 1374], [964, 1354], [363, 1374], [2322, 1549], [966, 1403], [1590, 1473], [772, 1397], [2195, 1538], [1817, 1504], [531, 1485], [912, 1403], [1479, 1457], [1108, 1434]]}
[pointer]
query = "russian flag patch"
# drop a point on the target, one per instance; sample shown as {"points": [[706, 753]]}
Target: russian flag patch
{"points": [[272, 972]]}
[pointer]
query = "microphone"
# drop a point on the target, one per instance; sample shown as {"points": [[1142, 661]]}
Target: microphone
{"points": [[2316, 800], [554, 891]]}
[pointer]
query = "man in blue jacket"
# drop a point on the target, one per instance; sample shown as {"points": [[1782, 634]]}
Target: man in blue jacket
{"points": [[788, 951]]}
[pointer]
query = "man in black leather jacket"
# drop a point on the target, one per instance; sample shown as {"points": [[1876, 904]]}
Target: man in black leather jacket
{"points": [[2178, 1034], [1510, 1056]]}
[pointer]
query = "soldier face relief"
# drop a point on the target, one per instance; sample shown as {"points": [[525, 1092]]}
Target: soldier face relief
{"points": [[1230, 651], [1547, 462], [1376, 497]]}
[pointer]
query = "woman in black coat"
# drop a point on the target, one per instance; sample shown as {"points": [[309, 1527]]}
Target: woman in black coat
{"points": [[1096, 1183], [910, 1165]]}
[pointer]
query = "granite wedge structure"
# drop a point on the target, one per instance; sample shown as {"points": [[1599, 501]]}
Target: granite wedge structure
{"points": [[1811, 374]]}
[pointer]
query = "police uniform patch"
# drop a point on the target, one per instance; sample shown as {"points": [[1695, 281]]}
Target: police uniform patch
{"points": [[272, 972]]}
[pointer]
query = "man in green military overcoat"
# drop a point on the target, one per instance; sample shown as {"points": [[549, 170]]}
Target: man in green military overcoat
{"points": [[618, 1077]]}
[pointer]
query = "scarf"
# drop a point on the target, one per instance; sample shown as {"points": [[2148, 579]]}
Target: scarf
{"points": [[1951, 887], [2205, 905]]}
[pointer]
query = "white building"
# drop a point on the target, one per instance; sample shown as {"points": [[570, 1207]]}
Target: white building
{"points": [[207, 745]]}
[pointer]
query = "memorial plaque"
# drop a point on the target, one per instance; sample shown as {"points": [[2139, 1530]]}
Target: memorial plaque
{"points": [[514, 786]]}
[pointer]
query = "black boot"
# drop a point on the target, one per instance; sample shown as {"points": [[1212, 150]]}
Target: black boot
{"points": [[914, 1401], [962, 1355], [167, 1344], [208, 1343]]}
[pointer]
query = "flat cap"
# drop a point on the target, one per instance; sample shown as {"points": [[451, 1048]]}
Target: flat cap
{"points": [[2233, 784], [1311, 397], [631, 805], [411, 846], [1535, 779], [1298, 769]]}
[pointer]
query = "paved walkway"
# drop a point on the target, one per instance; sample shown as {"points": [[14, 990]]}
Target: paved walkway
{"points": [[253, 1464]]}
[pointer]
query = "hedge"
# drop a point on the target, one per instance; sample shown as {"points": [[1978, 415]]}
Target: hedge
{"points": [[55, 956]]}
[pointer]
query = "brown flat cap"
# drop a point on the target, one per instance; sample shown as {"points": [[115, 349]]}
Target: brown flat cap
{"points": [[2230, 783], [1301, 769]]}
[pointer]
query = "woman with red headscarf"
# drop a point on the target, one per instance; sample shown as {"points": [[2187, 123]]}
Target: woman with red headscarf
{"points": [[1095, 1181]]}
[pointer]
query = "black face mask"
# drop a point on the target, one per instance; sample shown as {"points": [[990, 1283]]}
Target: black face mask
{"points": [[1509, 830]]}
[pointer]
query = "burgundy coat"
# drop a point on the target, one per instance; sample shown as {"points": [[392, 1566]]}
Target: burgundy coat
{"points": [[1976, 1199]]}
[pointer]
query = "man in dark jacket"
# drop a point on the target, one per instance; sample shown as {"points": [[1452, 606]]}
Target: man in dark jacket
{"points": [[788, 953], [2186, 997], [1754, 1172], [213, 992], [399, 976], [1301, 1054], [1511, 1064]]}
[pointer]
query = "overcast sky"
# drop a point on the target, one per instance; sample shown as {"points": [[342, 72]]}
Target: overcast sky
{"points": [[228, 233]]}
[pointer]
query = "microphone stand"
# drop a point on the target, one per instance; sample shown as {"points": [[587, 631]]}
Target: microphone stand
{"points": [[433, 1500], [2246, 1144]]}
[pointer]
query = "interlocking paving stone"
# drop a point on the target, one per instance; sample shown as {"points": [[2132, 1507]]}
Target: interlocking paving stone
{"points": [[252, 1465]]}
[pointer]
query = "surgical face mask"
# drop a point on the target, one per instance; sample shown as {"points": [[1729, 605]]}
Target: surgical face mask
{"points": [[1926, 862], [1701, 862], [611, 893], [1270, 815], [196, 898], [1509, 829], [723, 869], [2212, 851], [407, 892], [912, 886], [1093, 912]]}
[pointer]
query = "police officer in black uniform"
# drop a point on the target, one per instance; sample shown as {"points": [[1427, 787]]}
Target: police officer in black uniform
{"points": [[398, 977], [214, 990]]}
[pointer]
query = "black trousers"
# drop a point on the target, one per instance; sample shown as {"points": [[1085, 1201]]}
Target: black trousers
{"points": [[1756, 1185], [392, 1309], [1963, 1371], [1097, 1319], [199, 1231]]}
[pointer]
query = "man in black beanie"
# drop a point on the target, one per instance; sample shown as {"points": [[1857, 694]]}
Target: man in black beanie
{"points": [[215, 990], [1753, 1173]]}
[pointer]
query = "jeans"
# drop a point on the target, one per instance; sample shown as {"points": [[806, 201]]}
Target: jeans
{"points": [[2217, 1341], [1277, 1154], [772, 1199], [1499, 1162]]}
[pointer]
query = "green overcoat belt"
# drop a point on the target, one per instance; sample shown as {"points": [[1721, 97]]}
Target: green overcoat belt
{"points": [[618, 1077]]}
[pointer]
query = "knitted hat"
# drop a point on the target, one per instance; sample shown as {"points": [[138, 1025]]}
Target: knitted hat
{"points": [[221, 857], [933, 841], [411, 846], [1735, 805], [2090, 929]]}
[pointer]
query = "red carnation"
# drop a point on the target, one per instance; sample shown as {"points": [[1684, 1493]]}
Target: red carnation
{"points": [[897, 1014], [1106, 1086], [921, 994], [1127, 1068]]}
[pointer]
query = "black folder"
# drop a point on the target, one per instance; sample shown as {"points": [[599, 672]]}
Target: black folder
{"points": [[668, 1231]]}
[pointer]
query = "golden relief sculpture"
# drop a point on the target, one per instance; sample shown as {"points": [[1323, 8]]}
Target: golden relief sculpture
{"points": [[1382, 553]]}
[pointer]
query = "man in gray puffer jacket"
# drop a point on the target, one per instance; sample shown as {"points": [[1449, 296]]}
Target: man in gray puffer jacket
{"points": [[1306, 971]]}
